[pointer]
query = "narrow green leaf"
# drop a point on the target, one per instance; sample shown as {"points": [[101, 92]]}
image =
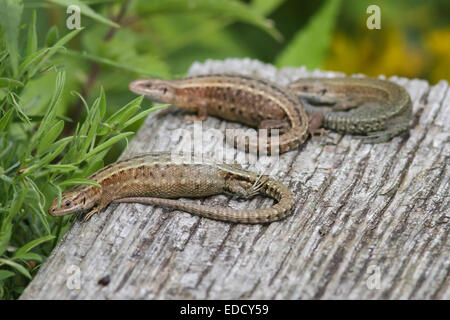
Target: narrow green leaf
{"points": [[45, 160], [31, 59], [51, 111], [102, 103], [10, 14], [28, 256], [5, 235], [5, 274], [309, 46], [58, 194], [72, 155], [265, 7], [61, 167], [16, 205], [32, 43], [143, 114], [42, 214], [95, 163], [52, 36], [107, 144], [50, 136], [12, 99], [58, 143], [6, 82], [4, 121], [36, 192], [16, 266], [77, 181], [32, 244], [51, 51], [89, 127], [86, 10], [6, 179], [122, 115]]}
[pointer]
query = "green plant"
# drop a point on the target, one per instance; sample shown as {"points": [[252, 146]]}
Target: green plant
{"points": [[36, 160]]}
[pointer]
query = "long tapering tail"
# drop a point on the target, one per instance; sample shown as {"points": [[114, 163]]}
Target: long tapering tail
{"points": [[272, 188]]}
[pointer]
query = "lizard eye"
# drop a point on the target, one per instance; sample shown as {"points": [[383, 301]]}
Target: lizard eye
{"points": [[148, 85], [164, 90], [68, 203]]}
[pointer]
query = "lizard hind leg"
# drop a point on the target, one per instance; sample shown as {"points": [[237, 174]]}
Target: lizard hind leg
{"points": [[245, 189], [315, 123], [315, 127]]}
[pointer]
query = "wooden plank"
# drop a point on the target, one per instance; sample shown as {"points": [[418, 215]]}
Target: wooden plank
{"points": [[370, 222]]}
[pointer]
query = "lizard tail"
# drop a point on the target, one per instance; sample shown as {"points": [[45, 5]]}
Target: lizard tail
{"points": [[274, 189], [285, 142]]}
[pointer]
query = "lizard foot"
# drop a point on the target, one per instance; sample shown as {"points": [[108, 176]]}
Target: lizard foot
{"points": [[319, 132], [314, 132], [90, 214], [74, 217]]}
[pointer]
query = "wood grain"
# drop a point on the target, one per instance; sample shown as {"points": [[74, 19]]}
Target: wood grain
{"points": [[370, 222]]}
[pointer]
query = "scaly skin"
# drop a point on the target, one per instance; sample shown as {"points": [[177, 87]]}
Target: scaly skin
{"points": [[252, 101], [157, 178], [380, 109]]}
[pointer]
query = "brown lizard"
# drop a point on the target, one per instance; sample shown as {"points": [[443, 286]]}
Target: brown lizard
{"points": [[157, 178], [249, 100]]}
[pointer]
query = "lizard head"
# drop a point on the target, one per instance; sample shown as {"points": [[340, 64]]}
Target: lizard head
{"points": [[73, 200], [154, 89]]}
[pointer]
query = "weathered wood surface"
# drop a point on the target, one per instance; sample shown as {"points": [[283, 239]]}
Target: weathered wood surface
{"points": [[345, 239]]}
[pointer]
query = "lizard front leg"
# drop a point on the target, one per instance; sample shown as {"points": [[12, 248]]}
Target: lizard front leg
{"points": [[104, 202], [202, 113]]}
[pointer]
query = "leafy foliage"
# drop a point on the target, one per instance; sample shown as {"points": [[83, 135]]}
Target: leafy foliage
{"points": [[36, 159]]}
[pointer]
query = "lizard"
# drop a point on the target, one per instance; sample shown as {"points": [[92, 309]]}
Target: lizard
{"points": [[376, 109], [158, 178], [249, 100]]}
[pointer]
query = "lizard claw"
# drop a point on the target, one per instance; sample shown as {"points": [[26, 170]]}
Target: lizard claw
{"points": [[74, 217], [90, 214], [320, 131]]}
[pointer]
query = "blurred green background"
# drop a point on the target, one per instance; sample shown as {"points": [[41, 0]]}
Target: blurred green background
{"points": [[45, 69]]}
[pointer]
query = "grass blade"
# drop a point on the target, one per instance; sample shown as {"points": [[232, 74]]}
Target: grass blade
{"points": [[34, 243], [16, 266], [77, 181], [32, 43]]}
